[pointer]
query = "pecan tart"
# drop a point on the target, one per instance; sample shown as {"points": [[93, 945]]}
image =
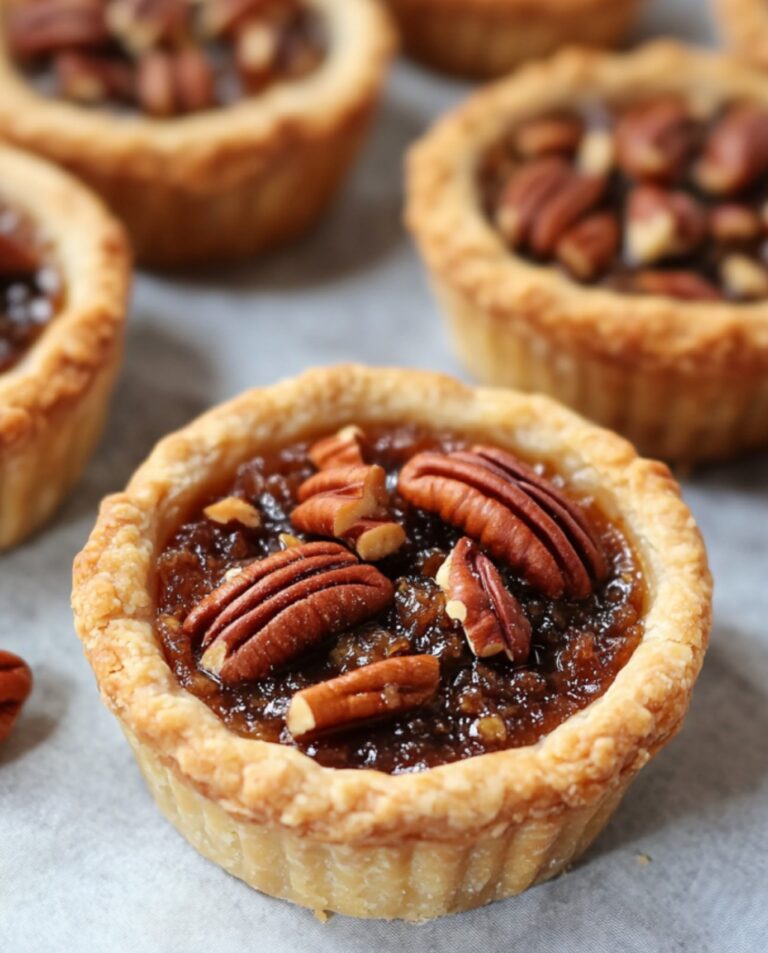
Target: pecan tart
{"points": [[215, 130], [62, 306], [386, 645], [596, 229], [484, 38], [744, 24]]}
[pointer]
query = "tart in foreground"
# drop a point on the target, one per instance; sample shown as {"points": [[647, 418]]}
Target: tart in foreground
{"points": [[63, 296], [214, 130], [389, 646], [595, 228], [485, 38]]}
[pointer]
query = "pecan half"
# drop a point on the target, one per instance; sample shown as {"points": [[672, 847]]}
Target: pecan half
{"points": [[515, 514], [654, 139], [18, 256], [349, 503], [15, 686], [732, 223], [279, 607], [257, 48], [493, 620], [686, 285], [380, 690], [169, 83], [662, 224], [588, 249], [232, 509], [551, 134], [578, 195], [342, 449], [91, 78], [736, 151], [47, 26], [525, 194]]}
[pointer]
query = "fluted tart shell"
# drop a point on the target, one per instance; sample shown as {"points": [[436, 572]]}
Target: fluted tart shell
{"points": [[226, 183], [683, 380], [486, 38], [53, 402], [361, 842]]}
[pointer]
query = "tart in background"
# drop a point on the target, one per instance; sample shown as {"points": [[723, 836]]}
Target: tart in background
{"points": [[349, 625], [64, 277], [485, 38], [744, 25], [595, 229], [213, 130]]}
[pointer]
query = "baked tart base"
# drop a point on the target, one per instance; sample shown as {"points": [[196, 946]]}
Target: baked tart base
{"points": [[486, 38], [361, 842], [224, 183], [54, 400], [684, 380]]}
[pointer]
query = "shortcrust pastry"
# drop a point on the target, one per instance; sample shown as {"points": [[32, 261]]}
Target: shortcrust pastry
{"points": [[389, 646], [485, 38], [215, 130], [744, 24], [597, 228], [62, 307]]}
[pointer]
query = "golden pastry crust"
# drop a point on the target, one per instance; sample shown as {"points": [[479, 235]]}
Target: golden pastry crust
{"points": [[270, 791], [227, 182], [744, 24], [485, 38], [636, 349], [52, 403]]}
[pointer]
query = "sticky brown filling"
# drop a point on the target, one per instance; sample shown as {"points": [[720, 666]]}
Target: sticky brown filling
{"points": [[567, 649], [640, 198]]}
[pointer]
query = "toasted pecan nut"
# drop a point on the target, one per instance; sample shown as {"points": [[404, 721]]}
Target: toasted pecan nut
{"points": [[278, 607], [733, 223], [92, 78], [577, 196], [49, 26], [224, 17], [551, 134], [525, 194], [15, 686], [194, 79], [233, 509], [142, 25], [257, 48], [18, 255], [662, 224], [380, 690], [374, 539], [492, 619], [736, 151], [511, 511], [744, 278], [589, 248], [156, 84], [686, 285], [654, 139], [342, 449]]}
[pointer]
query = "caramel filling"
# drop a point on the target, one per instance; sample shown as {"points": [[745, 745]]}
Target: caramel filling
{"points": [[164, 58], [641, 198], [502, 606]]}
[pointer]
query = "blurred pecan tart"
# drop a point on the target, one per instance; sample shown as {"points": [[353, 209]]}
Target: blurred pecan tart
{"points": [[744, 24], [62, 306], [214, 129], [610, 247], [389, 646], [484, 38]]}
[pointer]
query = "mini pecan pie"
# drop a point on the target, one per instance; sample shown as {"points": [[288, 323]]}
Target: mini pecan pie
{"points": [[484, 38], [389, 646], [744, 24], [596, 228], [214, 129], [62, 304]]}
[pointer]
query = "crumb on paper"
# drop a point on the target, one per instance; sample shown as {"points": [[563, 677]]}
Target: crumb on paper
{"points": [[643, 859], [321, 915]]}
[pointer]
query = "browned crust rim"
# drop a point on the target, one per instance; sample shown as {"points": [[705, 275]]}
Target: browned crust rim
{"points": [[266, 783]]}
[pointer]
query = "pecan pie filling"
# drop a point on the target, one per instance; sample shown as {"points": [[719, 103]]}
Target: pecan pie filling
{"points": [[163, 58], [30, 287], [645, 198], [397, 599]]}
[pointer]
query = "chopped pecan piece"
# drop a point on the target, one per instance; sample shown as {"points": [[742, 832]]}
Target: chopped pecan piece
{"points": [[142, 25], [349, 503], [551, 134], [493, 620], [744, 278], [732, 223], [342, 449], [195, 82], [233, 509], [257, 48], [15, 686], [654, 139], [515, 514], [18, 255], [92, 78], [662, 224], [278, 607], [597, 152], [686, 285], [736, 151], [48, 26], [589, 248], [380, 690]]}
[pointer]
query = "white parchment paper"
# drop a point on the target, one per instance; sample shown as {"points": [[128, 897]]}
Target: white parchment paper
{"points": [[86, 861]]}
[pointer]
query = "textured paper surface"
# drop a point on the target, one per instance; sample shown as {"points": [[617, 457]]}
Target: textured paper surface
{"points": [[86, 861]]}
